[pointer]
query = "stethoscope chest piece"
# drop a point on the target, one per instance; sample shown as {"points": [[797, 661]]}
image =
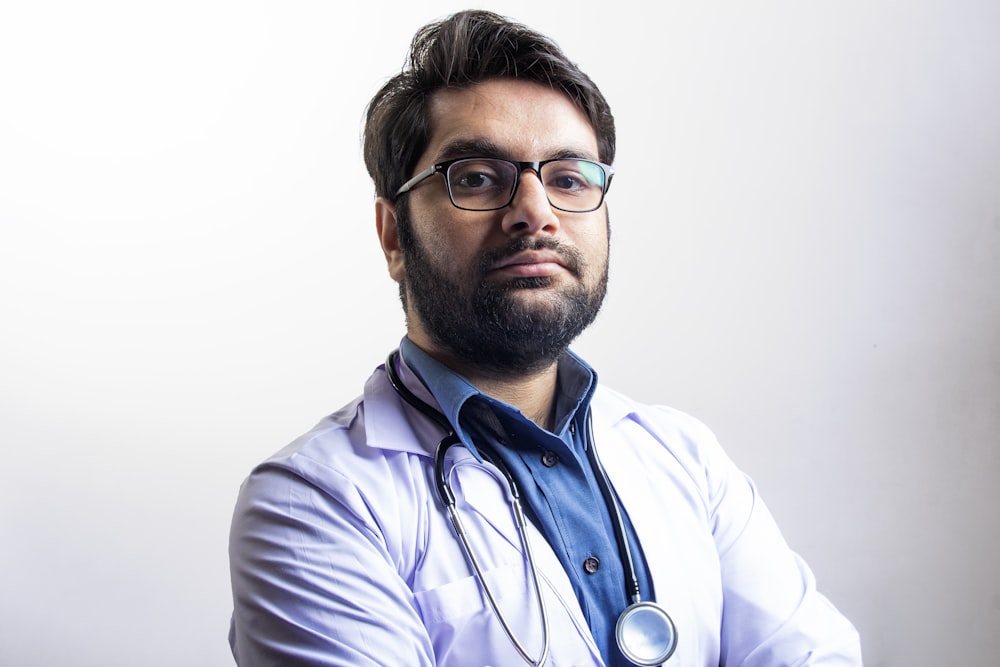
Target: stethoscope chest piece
{"points": [[646, 634]]}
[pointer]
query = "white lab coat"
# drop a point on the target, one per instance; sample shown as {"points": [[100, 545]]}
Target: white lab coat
{"points": [[341, 554]]}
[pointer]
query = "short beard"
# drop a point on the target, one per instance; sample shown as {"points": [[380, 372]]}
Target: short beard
{"points": [[488, 329]]}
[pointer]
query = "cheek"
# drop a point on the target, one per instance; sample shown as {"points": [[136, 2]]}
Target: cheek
{"points": [[593, 243], [452, 245]]}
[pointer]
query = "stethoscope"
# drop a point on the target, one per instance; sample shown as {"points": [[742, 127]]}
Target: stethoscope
{"points": [[645, 633]]}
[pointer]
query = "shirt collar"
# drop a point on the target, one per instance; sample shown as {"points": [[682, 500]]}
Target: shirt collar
{"points": [[576, 384]]}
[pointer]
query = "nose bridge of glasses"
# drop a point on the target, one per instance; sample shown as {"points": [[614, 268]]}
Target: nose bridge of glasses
{"points": [[522, 167], [535, 166]]}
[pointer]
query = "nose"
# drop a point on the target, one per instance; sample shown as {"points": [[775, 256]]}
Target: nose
{"points": [[530, 212]]}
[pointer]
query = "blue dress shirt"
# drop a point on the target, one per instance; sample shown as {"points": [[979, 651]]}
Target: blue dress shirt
{"points": [[554, 477]]}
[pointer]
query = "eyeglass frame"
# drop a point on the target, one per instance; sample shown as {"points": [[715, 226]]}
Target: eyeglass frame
{"points": [[534, 165]]}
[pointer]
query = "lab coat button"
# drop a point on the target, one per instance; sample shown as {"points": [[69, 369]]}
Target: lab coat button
{"points": [[549, 458], [591, 565]]}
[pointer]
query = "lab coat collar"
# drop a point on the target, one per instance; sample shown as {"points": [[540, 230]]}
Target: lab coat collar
{"points": [[394, 425], [391, 423]]}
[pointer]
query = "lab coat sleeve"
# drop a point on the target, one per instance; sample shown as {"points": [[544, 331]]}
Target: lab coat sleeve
{"points": [[773, 615], [314, 580]]}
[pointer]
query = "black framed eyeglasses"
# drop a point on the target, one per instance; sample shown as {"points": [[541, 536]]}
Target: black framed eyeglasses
{"points": [[574, 185]]}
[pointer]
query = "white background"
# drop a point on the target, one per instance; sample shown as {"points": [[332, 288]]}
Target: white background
{"points": [[806, 255]]}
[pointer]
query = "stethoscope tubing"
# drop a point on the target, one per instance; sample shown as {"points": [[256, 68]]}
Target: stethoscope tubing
{"points": [[611, 500], [636, 610], [447, 498]]}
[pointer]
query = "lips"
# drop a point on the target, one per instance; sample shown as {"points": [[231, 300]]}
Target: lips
{"points": [[532, 259]]}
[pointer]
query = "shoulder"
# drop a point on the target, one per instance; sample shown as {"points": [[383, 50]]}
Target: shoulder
{"points": [[662, 438], [362, 441], [330, 444], [356, 458], [336, 483], [669, 426]]}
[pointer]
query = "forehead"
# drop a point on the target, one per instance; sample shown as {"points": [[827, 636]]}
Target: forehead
{"points": [[523, 120]]}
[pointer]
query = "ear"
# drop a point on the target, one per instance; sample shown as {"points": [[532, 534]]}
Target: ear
{"points": [[388, 235]]}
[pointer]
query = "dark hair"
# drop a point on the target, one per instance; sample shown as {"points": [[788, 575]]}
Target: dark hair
{"points": [[461, 50]]}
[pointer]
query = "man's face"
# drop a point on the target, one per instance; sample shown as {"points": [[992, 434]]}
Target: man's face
{"points": [[500, 292]]}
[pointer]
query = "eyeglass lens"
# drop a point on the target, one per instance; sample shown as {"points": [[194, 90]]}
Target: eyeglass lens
{"points": [[482, 184]]}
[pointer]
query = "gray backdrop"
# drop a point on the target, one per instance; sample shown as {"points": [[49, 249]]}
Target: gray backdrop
{"points": [[806, 255]]}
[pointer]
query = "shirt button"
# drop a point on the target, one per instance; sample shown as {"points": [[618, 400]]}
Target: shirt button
{"points": [[550, 458], [591, 565]]}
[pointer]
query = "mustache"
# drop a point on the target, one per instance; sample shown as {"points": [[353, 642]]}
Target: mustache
{"points": [[571, 258]]}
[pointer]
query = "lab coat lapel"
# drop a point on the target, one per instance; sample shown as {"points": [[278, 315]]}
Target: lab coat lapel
{"points": [[652, 522], [679, 551], [632, 481], [487, 501]]}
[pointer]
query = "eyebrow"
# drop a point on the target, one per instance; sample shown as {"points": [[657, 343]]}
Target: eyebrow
{"points": [[485, 148]]}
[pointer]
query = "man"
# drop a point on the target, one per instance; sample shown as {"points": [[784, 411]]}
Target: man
{"points": [[490, 154]]}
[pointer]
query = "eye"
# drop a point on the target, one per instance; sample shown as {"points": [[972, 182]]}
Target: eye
{"points": [[567, 182], [472, 179], [571, 176], [475, 175]]}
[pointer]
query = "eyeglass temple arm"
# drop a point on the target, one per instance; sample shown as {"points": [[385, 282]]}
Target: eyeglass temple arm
{"points": [[429, 171]]}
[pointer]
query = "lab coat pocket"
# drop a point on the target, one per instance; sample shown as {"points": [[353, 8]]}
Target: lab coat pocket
{"points": [[463, 627], [465, 596]]}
